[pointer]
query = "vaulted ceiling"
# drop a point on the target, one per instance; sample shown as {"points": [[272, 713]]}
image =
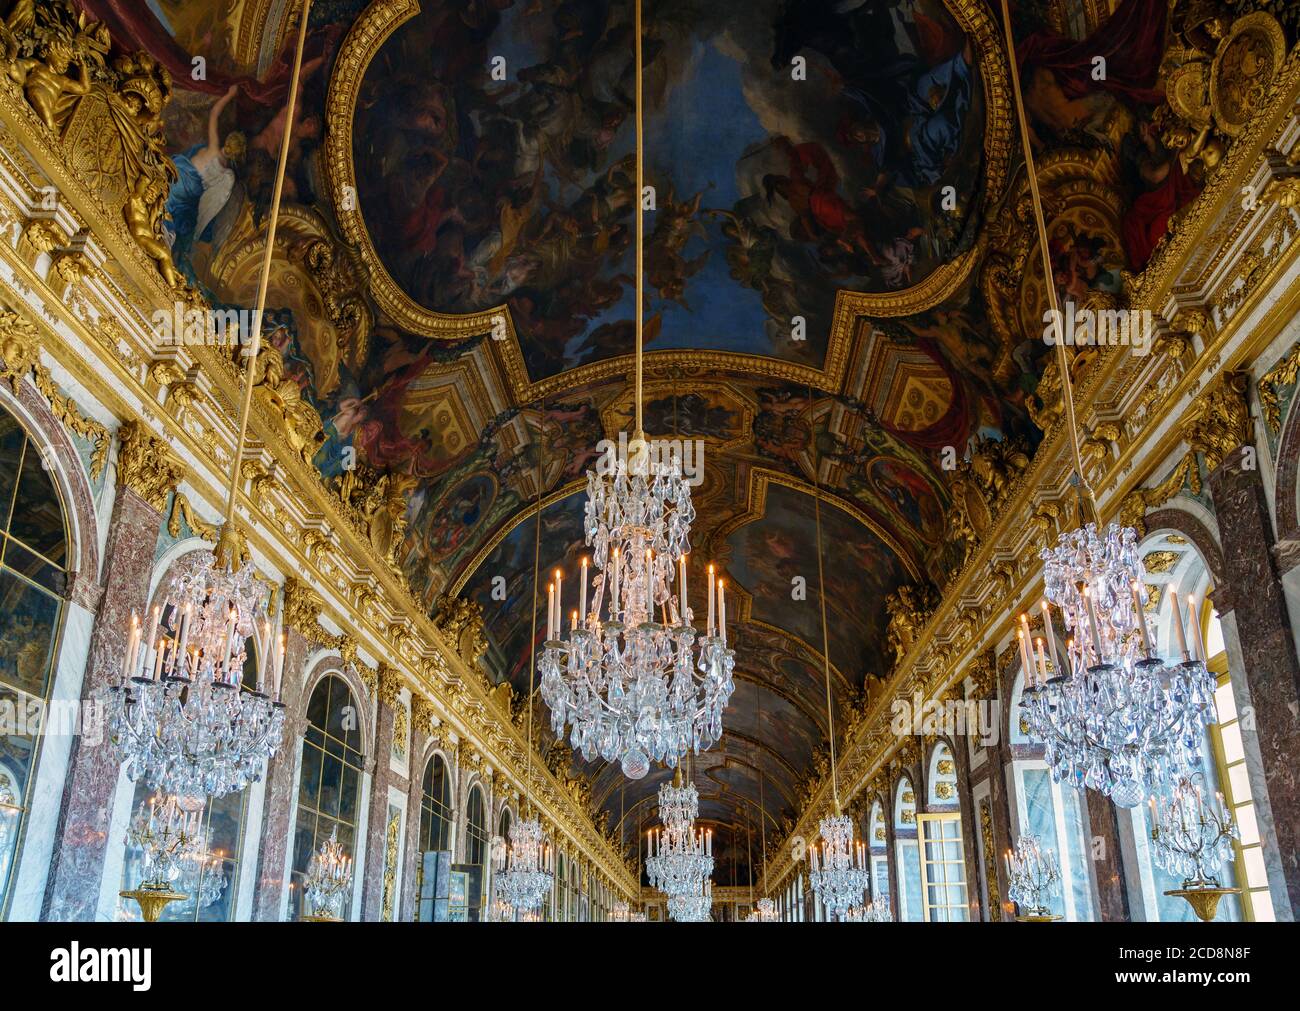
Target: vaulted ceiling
{"points": [[836, 280]]}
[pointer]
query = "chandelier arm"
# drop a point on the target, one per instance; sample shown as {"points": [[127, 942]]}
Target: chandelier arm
{"points": [[227, 544], [1031, 170]]}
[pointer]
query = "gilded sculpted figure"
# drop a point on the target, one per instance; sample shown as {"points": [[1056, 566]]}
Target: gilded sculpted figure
{"points": [[143, 213], [45, 82]]}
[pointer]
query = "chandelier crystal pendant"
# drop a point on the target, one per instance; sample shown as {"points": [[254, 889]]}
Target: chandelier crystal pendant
{"points": [[680, 858], [1033, 878], [695, 906], [1119, 720], [838, 868], [529, 871], [630, 680], [177, 711], [329, 878]]}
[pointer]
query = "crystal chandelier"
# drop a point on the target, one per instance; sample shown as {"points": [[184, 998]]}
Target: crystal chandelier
{"points": [[1120, 720], [621, 912], [681, 858], [527, 876], [1117, 721], [1033, 878], [180, 716], [630, 680], [838, 869], [764, 911], [329, 877], [875, 911], [177, 712], [1192, 834]]}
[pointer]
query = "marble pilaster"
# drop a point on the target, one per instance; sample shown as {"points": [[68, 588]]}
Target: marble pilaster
{"points": [[1255, 597], [278, 805], [81, 838], [372, 890], [1107, 858]]}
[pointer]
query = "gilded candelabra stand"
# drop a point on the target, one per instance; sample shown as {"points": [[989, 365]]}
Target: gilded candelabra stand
{"points": [[1033, 877], [1192, 835], [169, 837]]}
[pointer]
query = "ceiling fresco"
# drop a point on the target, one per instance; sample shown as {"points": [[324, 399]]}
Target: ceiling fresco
{"points": [[451, 297], [794, 149]]}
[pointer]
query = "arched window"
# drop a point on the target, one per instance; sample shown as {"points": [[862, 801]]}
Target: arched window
{"points": [[561, 888], [907, 853], [1052, 813], [212, 895], [477, 847], [878, 846], [329, 788], [33, 575], [943, 862]]}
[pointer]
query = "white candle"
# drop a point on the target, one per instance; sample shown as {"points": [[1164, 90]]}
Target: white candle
{"points": [[158, 660], [573, 626], [582, 597], [722, 612], [1092, 624], [683, 593], [184, 639], [1179, 634], [613, 599], [708, 628], [132, 647], [279, 664], [153, 624], [1042, 659], [1051, 631], [550, 611], [1197, 638], [1024, 659], [1141, 617], [559, 601]]}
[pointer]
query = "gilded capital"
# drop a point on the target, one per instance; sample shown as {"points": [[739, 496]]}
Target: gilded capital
{"points": [[390, 681], [301, 609], [423, 714], [1219, 419], [369, 677], [145, 464]]}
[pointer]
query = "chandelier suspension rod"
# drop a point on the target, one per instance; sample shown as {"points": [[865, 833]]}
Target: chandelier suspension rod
{"points": [[1031, 169], [537, 554], [227, 544], [821, 596], [640, 225], [762, 805]]}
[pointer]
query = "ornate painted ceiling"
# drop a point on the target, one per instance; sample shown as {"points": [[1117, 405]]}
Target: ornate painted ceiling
{"points": [[840, 298]]}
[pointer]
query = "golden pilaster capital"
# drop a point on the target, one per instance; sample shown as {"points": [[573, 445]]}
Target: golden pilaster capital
{"points": [[145, 464]]}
